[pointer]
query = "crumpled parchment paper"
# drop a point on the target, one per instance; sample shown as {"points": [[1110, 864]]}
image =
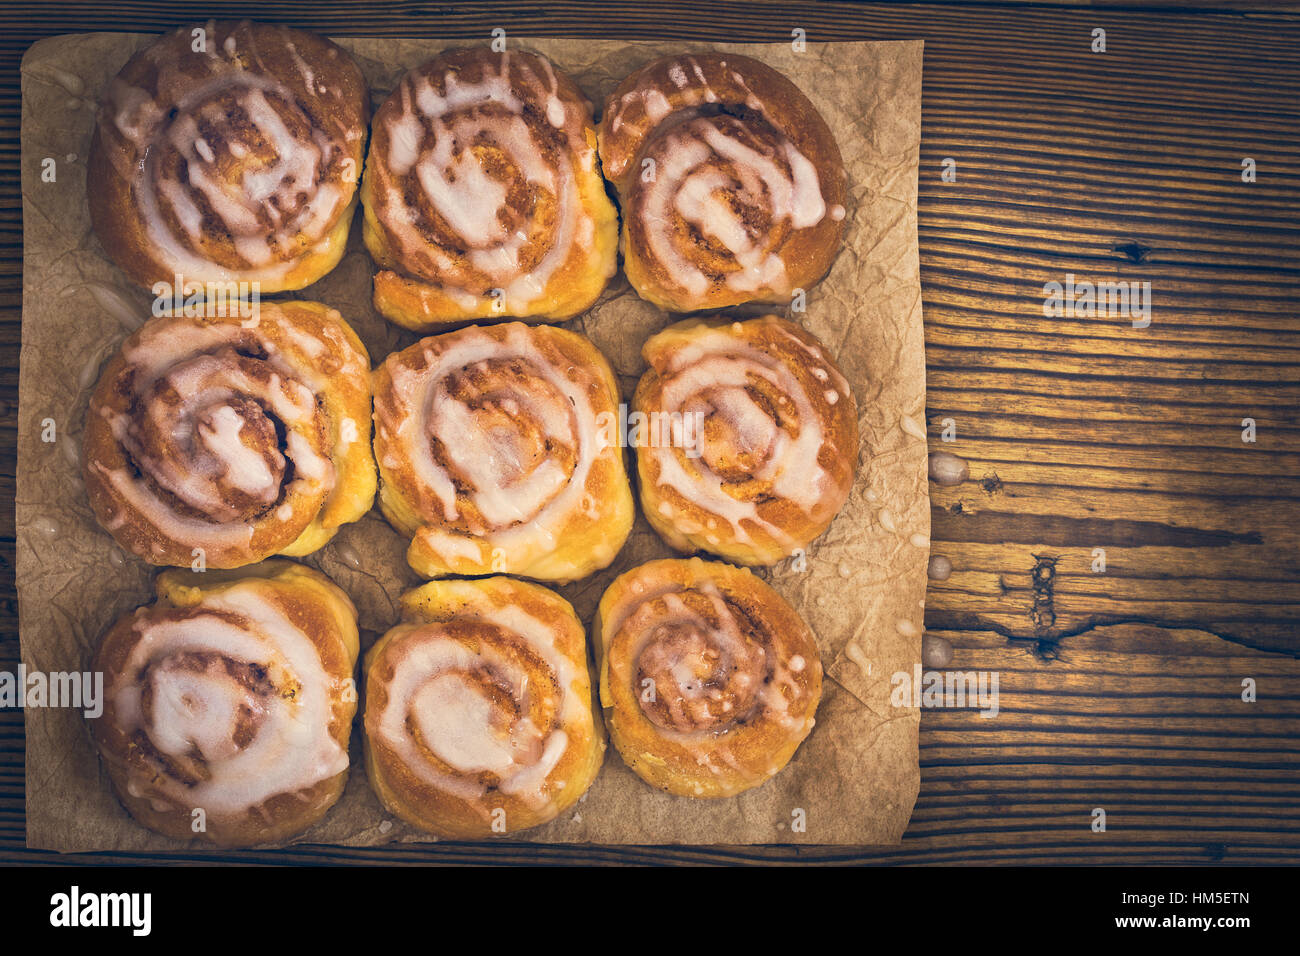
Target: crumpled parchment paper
{"points": [[861, 586]]}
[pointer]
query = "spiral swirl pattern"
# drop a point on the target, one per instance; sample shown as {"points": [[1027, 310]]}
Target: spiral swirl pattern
{"points": [[482, 193], [479, 708], [708, 677], [776, 438], [731, 184], [231, 696], [494, 456], [724, 202], [239, 439], [237, 162]]}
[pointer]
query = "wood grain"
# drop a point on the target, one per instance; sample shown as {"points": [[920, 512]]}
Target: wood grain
{"points": [[1120, 690]]}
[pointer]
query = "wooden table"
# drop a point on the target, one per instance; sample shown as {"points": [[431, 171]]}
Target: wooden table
{"points": [[1120, 689]]}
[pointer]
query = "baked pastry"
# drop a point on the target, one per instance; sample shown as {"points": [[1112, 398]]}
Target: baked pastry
{"points": [[770, 438], [480, 709], [731, 185], [482, 196], [217, 442], [709, 680], [228, 703], [498, 452], [229, 153]]}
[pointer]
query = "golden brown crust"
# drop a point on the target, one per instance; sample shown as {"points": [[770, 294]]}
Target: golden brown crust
{"points": [[232, 695], [775, 438], [480, 709], [730, 183], [235, 162], [481, 194], [240, 437], [709, 680], [498, 453]]}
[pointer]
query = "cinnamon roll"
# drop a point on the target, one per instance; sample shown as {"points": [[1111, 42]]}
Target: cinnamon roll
{"points": [[229, 153], [731, 184], [229, 703], [217, 442], [770, 435], [709, 680], [498, 452], [480, 712], [481, 194]]}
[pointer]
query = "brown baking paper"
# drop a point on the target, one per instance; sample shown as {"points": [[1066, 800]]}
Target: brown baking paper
{"points": [[861, 586]]}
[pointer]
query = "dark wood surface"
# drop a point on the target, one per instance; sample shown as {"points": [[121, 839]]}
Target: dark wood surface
{"points": [[1119, 690]]}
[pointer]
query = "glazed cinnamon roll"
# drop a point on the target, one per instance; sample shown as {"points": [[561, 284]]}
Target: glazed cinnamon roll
{"points": [[498, 453], [229, 153], [770, 435], [480, 712], [709, 680], [731, 184], [229, 703], [217, 442], [482, 196]]}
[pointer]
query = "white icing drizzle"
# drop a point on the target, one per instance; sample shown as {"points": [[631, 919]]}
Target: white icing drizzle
{"points": [[71, 82], [308, 77], [90, 371], [555, 109], [704, 173], [245, 467], [130, 317], [272, 212], [911, 427], [855, 654], [432, 686], [710, 167], [210, 410], [436, 137], [713, 676], [47, 527], [526, 505], [711, 374], [71, 451], [196, 710]]}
